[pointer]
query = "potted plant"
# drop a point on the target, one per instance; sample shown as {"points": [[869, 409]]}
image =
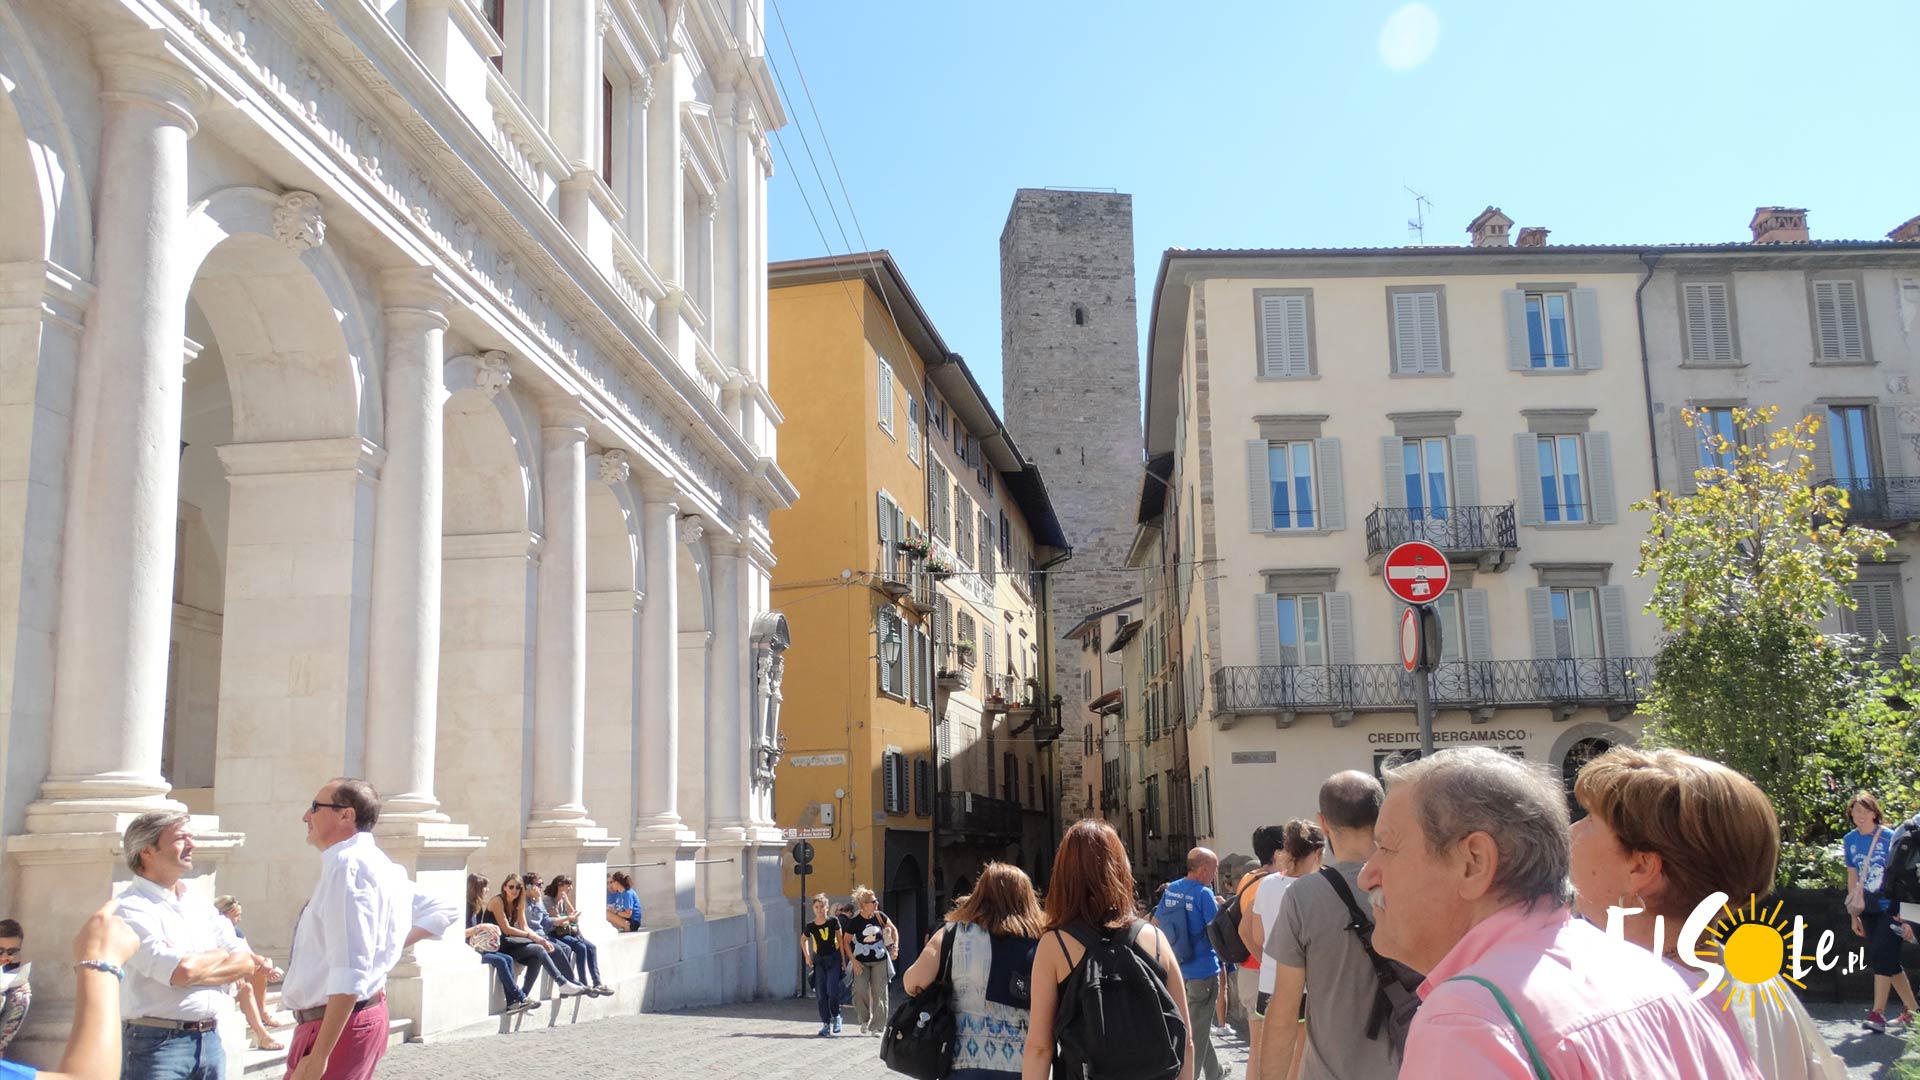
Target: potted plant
{"points": [[965, 647], [917, 546], [938, 565]]}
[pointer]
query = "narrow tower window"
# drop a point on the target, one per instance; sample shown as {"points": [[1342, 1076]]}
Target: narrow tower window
{"points": [[1079, 315]]}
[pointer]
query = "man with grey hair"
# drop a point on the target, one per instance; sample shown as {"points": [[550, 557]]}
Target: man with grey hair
{"points": [[181, 979], [1469, 878]]}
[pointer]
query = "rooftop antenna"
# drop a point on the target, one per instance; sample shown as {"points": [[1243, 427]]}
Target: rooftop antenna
{"points": [[1417, 224]]}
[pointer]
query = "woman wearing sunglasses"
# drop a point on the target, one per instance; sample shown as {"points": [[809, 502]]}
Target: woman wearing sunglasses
{"points": [[508, 911], [484, 937]]}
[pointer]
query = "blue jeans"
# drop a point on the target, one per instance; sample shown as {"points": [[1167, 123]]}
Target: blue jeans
{"points": [[157, 1054], [503, 970], [534, 959], [826, 987], [586, 958]]}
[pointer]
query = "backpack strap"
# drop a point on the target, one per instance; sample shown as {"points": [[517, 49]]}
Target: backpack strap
{"points": [[1513, 1017], [1362, 928], [1085, 936]]}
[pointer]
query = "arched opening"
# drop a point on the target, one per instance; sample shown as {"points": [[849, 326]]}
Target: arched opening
{"points": [[1079, 315], [905, 897], [613, 642], [1577, 757], [489, 529]]}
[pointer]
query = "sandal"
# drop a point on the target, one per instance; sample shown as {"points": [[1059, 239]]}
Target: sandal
{"points": [[263, 1042]]}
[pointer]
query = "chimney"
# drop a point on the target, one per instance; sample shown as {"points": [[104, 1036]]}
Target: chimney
{"points": [[1779, 225], [1908, 230], [1490, 228], [1533, 236]]}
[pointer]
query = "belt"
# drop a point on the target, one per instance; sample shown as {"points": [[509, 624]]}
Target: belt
{"points": [[191, 1027], [308, 1016]]}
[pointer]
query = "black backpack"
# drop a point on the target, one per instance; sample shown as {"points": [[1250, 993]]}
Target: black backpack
{"points": [[1900, 882], [1117, 1020], [1396, 998], [1224, 930]]}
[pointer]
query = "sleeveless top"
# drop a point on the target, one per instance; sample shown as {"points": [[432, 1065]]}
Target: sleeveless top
{"points": [[992, 1034]]}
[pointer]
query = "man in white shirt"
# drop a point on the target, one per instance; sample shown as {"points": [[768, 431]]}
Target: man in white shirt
{"points": [[182, 977], [364, 913]]}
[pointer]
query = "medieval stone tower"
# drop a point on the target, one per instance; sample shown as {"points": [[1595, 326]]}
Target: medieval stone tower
{"points": [[1070, 359]]}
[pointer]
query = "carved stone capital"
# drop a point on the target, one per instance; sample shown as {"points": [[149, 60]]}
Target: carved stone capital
{"points": [[297, 222], [689, 530], [641, 89], [605, 17], [614, 467], [708, 206], [492, 374]]}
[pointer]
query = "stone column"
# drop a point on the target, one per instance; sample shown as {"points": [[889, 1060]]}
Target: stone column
{"points": [[560, 650], [403, 666], [726, 746], [666, 182], [574, 119], [116, 602], [662, 844]]}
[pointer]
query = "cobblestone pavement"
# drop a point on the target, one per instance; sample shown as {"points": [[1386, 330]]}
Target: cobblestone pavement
{"points": [[775, 1040]]}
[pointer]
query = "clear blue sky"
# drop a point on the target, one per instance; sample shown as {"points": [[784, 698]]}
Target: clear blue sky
{"points": [[1281, 124]]}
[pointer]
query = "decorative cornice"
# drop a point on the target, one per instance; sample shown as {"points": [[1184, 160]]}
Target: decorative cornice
{"points": [[297, 222], [613, 467], [689, 530], [491, 373]]}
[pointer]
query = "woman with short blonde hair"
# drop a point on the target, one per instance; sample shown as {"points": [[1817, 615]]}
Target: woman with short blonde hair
{"points": [[872, 945]]}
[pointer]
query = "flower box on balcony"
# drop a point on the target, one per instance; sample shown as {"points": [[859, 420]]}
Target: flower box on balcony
{"points": [[938, 566], [916, 546]]}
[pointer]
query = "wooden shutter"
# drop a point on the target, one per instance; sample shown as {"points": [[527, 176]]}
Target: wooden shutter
{"points": [[1339, 608], [886, 531], [1600, 495], [1416, 331], [1330, 493], [886, 395], [1822, 452], [1540, 623], [884, 623], [1473, 612], [1707, 321], [1526, 455], [1836, 321], [1466, 471], [922, 788], [1259, 491], [1686, 454], [1393, 471], [1613, 621], [986, 649], [1586, 329], [1513, 304], [1886, 429], [1283, 337], [1266, 617]]}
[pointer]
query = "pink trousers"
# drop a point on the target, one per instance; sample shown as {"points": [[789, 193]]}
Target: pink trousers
{"points": [[362, 1044]]}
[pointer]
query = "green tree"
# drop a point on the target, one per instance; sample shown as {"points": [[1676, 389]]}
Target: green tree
{"points": [[1744, 570]]}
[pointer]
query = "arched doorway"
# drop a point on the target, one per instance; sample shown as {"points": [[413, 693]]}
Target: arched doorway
{"points": [[614, 574], [1580, 745], [904, 898]]}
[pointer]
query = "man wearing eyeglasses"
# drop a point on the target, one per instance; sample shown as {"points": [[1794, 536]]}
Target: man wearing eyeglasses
{"points": [[16, 994], [364, 913]]}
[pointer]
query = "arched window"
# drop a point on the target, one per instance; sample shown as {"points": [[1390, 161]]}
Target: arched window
{"points": [[1079, 315]]}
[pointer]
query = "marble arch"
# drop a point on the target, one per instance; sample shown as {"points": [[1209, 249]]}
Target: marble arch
{"points": [[49, 177]]}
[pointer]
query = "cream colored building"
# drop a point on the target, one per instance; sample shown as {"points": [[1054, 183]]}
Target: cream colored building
{"points": [[1095, 713], [1321, 407]]}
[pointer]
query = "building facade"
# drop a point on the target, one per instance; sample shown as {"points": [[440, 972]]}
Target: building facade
{"points": [[1097, 699], [921, 722], [386, 395], [1069, 347], [1156, 770]]}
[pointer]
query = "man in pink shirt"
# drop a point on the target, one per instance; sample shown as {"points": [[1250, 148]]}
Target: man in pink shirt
{"points": [[1469, 878]]}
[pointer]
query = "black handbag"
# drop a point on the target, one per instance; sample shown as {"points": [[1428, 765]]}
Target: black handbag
{"points": [[920, 1035]]}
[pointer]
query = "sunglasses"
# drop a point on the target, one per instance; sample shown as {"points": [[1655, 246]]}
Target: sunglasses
{"points": [[319, 806], [511, 888], [10, 952]]}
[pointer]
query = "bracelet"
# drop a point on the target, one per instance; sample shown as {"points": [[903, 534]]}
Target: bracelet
{"points": [[101, 965]]}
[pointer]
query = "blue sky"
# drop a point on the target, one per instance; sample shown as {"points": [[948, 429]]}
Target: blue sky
{"points": [[1283, 124]]}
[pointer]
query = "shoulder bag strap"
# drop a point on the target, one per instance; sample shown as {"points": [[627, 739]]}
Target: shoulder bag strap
{"points": [[1513, 1017], [1361, 926], [945, 975]]}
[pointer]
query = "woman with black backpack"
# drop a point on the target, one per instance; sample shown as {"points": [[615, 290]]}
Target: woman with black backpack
{"points": [[1108, 1001]]}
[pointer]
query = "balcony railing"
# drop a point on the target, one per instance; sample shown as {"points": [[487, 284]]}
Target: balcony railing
{"points": [[895, 572], [1466, 684], [967, 817], [1467, 530], [1880, 500]]}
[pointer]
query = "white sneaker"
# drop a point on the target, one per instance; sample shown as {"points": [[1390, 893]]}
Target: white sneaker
{"points": [[572, 990]]}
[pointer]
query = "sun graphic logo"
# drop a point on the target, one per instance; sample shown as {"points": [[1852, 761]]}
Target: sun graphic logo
{"points": [[1753, 950]]}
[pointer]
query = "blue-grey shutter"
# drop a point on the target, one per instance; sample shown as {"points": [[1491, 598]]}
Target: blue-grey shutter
{"points": [[1406, 334], [1519, 349], [1686, 454], [1330, 490], [1822, 453], [1526, 454], [1339, 628], [1466, 471], [883, 622], [1473, 610], [1613, 621], [1886, 424], [1433, 353], [1259, 490], [1283, 336], [1393, 472], [1586, 329], [886, 519], [1600, 496], [1266, 620], [1540, 622]]}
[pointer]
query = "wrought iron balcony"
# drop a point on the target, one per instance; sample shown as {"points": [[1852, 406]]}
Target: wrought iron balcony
{"points": [[1477, 684], [1483, 532], [1880, 500], [967, 817]]}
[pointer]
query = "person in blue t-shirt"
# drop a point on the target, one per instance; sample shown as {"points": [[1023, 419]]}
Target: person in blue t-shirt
{"points": [[1185, 909], [1866, 851]]}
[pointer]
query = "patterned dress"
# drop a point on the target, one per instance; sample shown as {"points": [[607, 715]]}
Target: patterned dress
{"points": [[992, 1033]]}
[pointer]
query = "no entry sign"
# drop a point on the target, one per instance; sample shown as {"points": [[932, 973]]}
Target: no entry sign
{"points": [[1417, 572]]}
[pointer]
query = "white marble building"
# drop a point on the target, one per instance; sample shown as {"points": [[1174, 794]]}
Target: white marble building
{"points": [[382, 392]]}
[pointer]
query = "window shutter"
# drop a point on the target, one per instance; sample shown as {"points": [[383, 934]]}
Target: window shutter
{"points": [[922, 787], [1393, 472], [1686, 454], [1526, 453], [1853, 340], [1886, 424], [1822, 453], [1513, 304], [986, 651], [1884, 607], [1586, 329], [1259, 493], [1709, 322], [1283, 336], [886, 518], [1427, 319], [1339, 628], [1613, 621], [1540, 622], [1473, 610], [1266, 611], [1406, 333], [1599, 446], [1330, 496], [1466, 471], [886, 395], [885, 625]]}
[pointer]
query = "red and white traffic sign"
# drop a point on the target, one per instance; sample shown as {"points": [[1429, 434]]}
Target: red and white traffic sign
{"points": [[1417, 572], [1410, 638]]}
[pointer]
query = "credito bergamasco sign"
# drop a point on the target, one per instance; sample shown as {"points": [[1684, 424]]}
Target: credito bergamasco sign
{"points": [[1441, 738]]}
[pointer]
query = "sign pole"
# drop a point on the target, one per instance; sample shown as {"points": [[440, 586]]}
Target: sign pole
{"points": [[1417, 573], [1422, 692]]}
